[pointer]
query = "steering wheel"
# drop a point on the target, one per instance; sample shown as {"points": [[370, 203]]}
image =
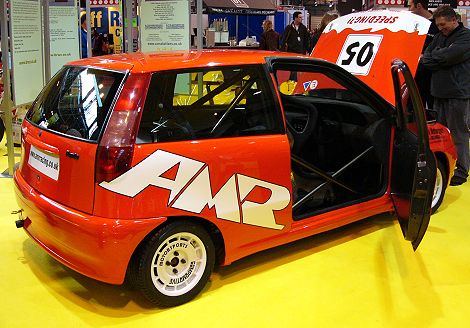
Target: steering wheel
{"points": [[300, 121], [173, 126], [182, 128]]}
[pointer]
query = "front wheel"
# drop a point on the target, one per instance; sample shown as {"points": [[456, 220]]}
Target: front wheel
{"points": [[174, 265], [439, 187]]}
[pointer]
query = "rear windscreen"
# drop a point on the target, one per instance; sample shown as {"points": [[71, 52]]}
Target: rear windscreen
{"points": [[76, 102]]}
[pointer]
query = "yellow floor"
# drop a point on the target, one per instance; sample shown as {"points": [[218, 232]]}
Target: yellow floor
{"points": [[362, 275]]}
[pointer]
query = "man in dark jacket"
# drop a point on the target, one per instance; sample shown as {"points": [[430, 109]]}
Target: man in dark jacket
{"points": [[296, 37], [448, 57], [423, 75]]}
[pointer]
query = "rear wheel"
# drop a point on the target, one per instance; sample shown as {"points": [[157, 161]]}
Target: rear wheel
{"points": [[439, 187], [174, 265]]}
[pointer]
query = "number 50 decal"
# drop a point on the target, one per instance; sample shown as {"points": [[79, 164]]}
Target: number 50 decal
{"points": [[359, 52]]}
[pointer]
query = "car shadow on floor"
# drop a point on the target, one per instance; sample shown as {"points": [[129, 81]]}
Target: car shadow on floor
{"points": [[68, 285], [296, 250]]}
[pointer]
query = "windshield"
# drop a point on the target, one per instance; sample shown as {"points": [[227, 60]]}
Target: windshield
{"points": [[76, 102]]}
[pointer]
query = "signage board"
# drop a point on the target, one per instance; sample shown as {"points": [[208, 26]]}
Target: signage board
{"points": [[26, 47], [165, 25]]}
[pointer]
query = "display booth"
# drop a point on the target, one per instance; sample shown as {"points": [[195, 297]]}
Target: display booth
{"points": [[229, 22], [105, 17]]}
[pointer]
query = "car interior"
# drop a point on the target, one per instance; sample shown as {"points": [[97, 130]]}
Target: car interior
{"points": [[339, 148], [206, 104]]}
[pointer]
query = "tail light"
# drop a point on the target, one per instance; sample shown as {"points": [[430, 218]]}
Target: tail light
{"points": [[116, 149]]}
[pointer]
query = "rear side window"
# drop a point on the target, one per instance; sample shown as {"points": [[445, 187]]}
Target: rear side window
{"points": [[76, 102], [209, 103]]}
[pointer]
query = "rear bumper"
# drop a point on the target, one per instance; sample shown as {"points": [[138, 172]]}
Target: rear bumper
{"points": [[97, 247]]}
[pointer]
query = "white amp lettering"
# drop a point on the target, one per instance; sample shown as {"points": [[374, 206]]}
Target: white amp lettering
{"points": [[199, 194], [229, 202], [149, 171]]}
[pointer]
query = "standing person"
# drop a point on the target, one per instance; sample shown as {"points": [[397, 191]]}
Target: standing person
{"points": [[326, 19], [269, 37], [98, 42], [423, 75], [296, 37], [448, 56], [83, 33]]}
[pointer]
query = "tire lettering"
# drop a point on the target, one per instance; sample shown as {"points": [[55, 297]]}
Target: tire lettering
{"points": [[185, 276], [168, 250]]}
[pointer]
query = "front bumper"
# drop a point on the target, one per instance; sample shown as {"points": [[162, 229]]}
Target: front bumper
{"points": [[97, 247]]}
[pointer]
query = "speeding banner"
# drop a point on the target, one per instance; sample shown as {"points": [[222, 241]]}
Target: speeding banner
{"points": [[366, 43]]}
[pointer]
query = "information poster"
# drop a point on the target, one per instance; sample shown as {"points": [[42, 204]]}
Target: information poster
{"points": [[65, 45], [26, 42], [165, 25]]}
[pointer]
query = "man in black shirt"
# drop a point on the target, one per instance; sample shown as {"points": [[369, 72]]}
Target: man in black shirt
{"points": [[423, 75], [448, 56], [296, 37]]}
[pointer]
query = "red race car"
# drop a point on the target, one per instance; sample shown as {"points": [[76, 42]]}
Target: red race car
{"points": [[159, 166]]}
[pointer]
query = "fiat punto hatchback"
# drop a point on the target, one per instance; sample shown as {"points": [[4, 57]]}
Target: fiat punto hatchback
{"points": [[156, 167]]}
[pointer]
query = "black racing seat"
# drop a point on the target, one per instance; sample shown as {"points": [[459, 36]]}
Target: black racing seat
{"points": [[301, 120]]}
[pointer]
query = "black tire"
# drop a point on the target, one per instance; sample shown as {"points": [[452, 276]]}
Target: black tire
{"points": [[184, 257], [440, 187]]}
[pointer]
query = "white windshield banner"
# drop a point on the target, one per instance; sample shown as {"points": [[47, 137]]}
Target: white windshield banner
{"points": [[377, 20]]}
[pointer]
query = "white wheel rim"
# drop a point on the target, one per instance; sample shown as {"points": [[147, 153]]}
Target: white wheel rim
{"points": [[438, 189], [178, 264]]}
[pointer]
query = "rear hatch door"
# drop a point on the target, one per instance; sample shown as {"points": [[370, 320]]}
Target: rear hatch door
{"points": [[366, 43], [61, 132]]}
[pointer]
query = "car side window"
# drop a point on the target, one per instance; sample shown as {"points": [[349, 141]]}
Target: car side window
{"points": [[209, 103], [313, 84]]}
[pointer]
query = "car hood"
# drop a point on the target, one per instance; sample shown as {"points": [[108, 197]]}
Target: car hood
{"points": [[366, 43]]}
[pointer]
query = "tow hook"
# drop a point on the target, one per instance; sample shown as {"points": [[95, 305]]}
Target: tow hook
{"points": [[19, 223]]}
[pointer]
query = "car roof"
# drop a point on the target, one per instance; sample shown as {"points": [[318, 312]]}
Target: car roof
{"points": [[157, 61]]}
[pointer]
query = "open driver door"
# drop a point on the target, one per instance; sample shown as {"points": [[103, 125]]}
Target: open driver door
{"points": [[414, 165]]}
